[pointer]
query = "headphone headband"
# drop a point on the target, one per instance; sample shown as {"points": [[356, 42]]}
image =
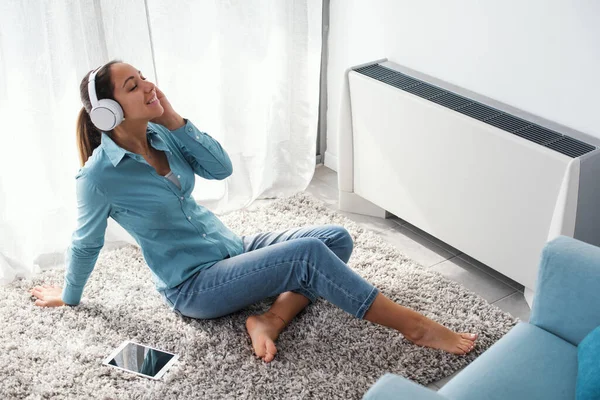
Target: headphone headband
{"points": [[92, 86]]}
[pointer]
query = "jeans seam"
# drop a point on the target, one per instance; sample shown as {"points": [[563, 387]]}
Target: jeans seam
{"points": [[309, 291], [332, 283], [373, 294], [304, 237], [233, 280], [273, 266]]}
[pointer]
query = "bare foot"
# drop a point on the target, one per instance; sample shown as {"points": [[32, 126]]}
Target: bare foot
{"points": [[429, 333], [264, 329]]}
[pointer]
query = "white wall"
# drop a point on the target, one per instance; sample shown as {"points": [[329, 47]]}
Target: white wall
{"points": [[542, 56]]}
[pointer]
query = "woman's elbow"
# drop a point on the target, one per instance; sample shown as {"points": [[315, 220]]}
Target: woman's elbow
{"points": [[227, 171]]}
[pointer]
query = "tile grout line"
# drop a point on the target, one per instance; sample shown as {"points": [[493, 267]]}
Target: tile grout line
{"points": [[435, 244], [407, 224], [487, 273], [448, 259], [495, 301], [508, 295], [398, 223], [430, 266]]}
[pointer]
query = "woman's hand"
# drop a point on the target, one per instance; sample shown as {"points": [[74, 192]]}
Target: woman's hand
{"points": [[169, 118], [48, 296]]}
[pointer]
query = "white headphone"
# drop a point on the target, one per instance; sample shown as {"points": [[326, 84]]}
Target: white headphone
{"points": [[106, 114]]}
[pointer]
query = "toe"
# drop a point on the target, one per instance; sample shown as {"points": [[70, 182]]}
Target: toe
{"points": [[469, 336], [467, 345], [463, 349], [259, 349], [259, 353], [271, 349]]}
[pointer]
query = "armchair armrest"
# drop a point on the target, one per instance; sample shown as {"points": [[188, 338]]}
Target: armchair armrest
{"points": [[394, 387], [567, 300]]}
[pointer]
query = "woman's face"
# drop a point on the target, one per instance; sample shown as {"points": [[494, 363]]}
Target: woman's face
{"points": [[133, 92]]}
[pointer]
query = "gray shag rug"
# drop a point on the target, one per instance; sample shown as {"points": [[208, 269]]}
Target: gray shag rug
{"points": [[324, 353]]}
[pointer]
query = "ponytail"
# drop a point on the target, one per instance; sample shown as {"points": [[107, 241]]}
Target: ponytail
{"points": [[88, 136]]}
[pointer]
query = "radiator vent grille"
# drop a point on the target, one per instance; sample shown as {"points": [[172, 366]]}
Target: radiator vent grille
{"points": [[528, 130]]}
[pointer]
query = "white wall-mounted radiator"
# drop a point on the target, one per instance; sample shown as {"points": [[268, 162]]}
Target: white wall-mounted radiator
{"points": [[495, 182]]}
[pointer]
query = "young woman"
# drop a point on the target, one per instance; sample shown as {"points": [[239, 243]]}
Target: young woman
{"points": [[141, 173]]}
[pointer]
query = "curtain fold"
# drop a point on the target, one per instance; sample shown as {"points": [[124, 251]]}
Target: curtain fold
{"points": [[246, 72]]}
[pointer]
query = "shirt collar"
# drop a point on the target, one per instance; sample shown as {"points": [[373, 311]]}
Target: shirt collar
{"points": [[116, 153]]}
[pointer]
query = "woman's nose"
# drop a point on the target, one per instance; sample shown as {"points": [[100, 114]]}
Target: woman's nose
{"points": [[150, 87]]}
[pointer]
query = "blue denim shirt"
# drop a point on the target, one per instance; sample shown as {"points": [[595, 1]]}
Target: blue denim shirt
{"points": [[177, 236]]}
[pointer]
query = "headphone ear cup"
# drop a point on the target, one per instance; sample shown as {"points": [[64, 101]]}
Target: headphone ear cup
{"points": [[106, 115], [117, 111]]}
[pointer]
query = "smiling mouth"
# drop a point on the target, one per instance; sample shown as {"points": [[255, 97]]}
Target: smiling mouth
{"points": [[154, 99]]}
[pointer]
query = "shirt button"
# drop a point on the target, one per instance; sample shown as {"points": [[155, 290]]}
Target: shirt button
{"points": [[189, 217], [189, 129], [197, 137], [178, 176], [204, 235], [181, 198]]}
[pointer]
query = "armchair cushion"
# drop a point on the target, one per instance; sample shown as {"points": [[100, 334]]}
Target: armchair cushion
{"points": [[588, 376], [527, 363], [567, 299], [394, 387]]}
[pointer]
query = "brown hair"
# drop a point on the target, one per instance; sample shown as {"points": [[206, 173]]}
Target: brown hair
{"points": [[88, 136]]}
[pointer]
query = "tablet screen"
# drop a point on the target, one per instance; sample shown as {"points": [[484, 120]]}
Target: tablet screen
{"points": [[141, 359]]}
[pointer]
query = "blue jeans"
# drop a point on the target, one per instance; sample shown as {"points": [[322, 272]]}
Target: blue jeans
{"points": [[310, 261]]}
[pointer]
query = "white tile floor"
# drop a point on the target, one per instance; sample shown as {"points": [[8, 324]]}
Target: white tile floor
{"points": [[430, 252]]}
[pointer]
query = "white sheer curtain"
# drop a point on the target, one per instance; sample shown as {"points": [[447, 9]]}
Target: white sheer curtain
{"points": [[245, 71]]}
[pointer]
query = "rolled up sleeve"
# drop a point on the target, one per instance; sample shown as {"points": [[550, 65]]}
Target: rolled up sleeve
{"points": [[205, 155]]}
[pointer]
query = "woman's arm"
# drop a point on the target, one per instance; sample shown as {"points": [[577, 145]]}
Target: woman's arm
{"points": [[87, 240], [204, 154]]}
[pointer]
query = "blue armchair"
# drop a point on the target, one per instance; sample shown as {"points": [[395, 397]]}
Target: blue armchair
{"points": [[535, 360]]}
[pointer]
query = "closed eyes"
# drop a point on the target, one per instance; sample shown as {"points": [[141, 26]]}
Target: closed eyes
{"points": [[135, 86]]}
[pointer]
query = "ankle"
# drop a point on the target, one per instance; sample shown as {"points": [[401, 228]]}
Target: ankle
{"points": [[416, 330], [281, 323]]}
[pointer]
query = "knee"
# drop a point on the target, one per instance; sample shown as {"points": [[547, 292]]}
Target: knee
{"points": [[343, 242], [345, 236], [313, 248], [339, 241], [314, 244]]}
